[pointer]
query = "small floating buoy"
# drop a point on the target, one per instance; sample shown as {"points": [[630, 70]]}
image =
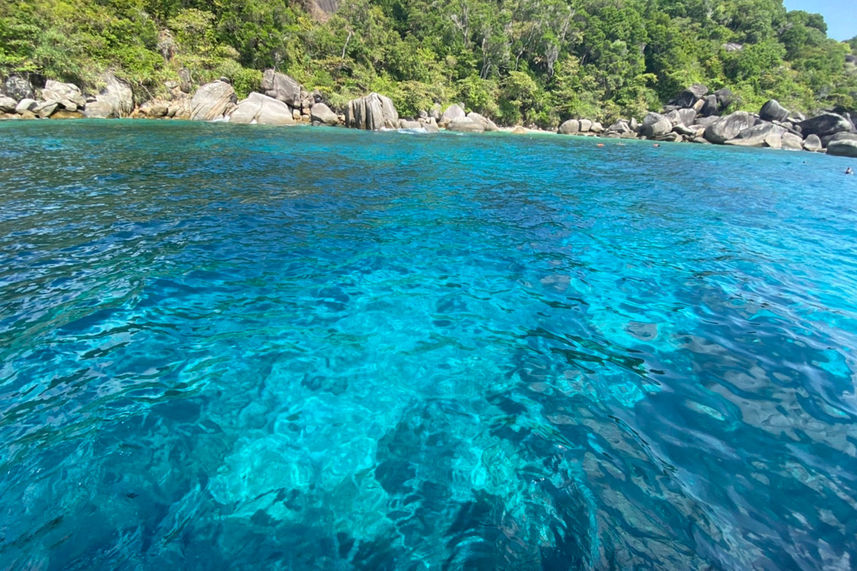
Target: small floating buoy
{"points": [[600, 145]]}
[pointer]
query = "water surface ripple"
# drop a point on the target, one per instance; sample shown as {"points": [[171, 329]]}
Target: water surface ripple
{"points": [[242, 347]]}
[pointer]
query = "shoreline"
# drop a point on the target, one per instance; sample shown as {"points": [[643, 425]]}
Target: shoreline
{"points": [[693, 115]]}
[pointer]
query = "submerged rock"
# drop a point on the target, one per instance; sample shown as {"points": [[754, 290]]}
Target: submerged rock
{"points": [[211, 101], [372, 112]]}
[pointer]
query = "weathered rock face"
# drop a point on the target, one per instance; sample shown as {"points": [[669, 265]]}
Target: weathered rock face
{"points": [[372, 112], [321, 114], [728, 127], [66, 95], [689, 96], [825, 124], [115, 100], [18, 88], [7, 104], [487, 124], [812, 143], [281, 86], [843, 148], [452, 113], [773, 111], [261, 109], [655, 125], [465, 125], [762, 135], [596, 127], [569, 127], [211, 101]]}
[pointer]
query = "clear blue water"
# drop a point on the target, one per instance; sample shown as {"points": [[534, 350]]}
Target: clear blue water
{"points": [[240, 347]]}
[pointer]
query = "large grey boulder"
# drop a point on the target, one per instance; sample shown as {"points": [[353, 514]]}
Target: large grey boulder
{"points": [[825, 124], [321, 114], [18, 88], [7, 104], [115, 100], [655, 125], [812, 143], [487, 124], [281, 86], [585, 125], [261, 109], [372, 112], [762, 135], [792, 142], [710, 106], [211, 101], [728, 127], [452, 113], [681, 116], [66, 95], [773, 111], [843, 148], [465, 125], [570, 127], [689, 96]]}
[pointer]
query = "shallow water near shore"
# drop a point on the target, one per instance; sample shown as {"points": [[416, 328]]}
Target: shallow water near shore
{"points": [[243, 347]]}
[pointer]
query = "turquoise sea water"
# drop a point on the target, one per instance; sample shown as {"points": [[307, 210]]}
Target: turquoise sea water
{"points": [[250, 348]]}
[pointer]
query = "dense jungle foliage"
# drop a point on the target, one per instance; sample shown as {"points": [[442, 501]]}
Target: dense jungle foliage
{"points": [[518, 61]]}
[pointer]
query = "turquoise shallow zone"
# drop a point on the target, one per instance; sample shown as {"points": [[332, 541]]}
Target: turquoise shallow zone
{"points": [[259, 348]]}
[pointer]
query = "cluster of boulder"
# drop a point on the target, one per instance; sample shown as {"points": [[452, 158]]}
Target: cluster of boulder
{"points": [[693, 115], [57, 100], [696, 116]]}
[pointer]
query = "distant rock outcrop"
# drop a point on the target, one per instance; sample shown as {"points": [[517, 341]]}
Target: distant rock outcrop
{"points": [[372, 112]]}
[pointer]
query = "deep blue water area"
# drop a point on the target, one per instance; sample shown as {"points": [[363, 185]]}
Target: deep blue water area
{"points": [[263, 348]]}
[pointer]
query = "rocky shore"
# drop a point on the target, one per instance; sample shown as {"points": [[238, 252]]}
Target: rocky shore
{"points": [[694, 115]]}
